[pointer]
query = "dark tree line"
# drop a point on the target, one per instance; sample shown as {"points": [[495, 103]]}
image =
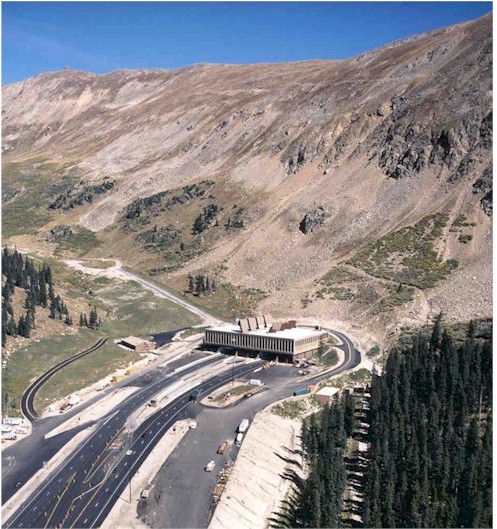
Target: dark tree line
{"points": [[429, 462], [204, 220], [431, 436], [200, 284], [19, 271], [317, 501], [92, 321]]}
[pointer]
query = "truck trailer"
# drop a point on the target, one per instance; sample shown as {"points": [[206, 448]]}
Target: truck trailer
{"points": [[243, 426], [301, 391], [222, 447]]}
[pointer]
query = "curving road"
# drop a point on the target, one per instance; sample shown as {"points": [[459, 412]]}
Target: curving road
{"points": [[27, 400], [209, 319], [86, 486], [118, 271]]}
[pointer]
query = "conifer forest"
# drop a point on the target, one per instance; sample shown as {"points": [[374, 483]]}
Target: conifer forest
{"points": [[428, 434]]}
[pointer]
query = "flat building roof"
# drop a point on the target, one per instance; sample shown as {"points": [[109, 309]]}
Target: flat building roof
{"points": [[295, 333]]}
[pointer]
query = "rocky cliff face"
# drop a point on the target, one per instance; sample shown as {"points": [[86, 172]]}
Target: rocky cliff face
{"points": [[379, 141]]}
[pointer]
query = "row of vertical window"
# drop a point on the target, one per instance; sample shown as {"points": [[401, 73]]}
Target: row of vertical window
{"points": [[262, 343]]}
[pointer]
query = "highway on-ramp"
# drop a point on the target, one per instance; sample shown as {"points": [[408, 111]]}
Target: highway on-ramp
{"points": [[27, 399]]}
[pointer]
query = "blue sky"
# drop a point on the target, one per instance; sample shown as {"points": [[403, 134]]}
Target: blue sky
{"points": [[105, 36]]}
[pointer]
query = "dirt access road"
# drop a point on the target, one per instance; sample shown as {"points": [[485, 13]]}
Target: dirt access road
{"points": [[117, 271]]}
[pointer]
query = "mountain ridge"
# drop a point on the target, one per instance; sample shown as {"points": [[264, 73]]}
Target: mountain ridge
{"points": [[380, 141]]}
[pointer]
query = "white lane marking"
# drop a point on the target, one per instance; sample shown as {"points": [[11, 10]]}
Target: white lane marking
{"points": [[85, 520]]}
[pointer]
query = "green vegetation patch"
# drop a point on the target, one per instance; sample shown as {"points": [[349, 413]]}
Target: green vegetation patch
{"points": [[135, 310], [329, 359], [227, 301], [462, 222], [464, 238], [80, 195], [408, 255], [27, 189], [84, 372], [297, 409], [337, 275], [239, 390], [361, 376], [397, 296], [28, 363], [158, 239], [125, 308], [80, 242]]}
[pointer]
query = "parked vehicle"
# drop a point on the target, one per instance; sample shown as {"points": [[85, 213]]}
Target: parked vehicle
{"points": [[239, 439], [195, 394], [255, 382], [210, 466], [222, 447], [243, 426], [301, 391], [145, 493]]}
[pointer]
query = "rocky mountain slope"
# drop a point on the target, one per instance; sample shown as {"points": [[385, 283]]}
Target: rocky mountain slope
{"points": [[350, 190]]}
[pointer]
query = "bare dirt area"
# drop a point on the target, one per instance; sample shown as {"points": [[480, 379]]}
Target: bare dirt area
{"points": [[256, 486]]}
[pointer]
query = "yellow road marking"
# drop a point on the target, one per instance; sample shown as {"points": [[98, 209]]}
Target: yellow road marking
{"points": [[91, 499], [92, 472], [60, 498]]}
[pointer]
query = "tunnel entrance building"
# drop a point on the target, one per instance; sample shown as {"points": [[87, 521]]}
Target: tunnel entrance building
{"points": [[284, 342]]}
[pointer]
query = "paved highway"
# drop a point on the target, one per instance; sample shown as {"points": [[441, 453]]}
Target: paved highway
{"points": [[27, 400], [83, 490], [25, 457], [183, 491]]}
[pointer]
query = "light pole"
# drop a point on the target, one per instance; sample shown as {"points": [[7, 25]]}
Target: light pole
{"points": [[233, 364]]}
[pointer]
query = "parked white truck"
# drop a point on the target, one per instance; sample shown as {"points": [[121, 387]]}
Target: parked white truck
{"points": [[243, 426]]}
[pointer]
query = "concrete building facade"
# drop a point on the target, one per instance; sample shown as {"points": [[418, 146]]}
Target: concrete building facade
{"points": [[137, 344], [259, 335]]}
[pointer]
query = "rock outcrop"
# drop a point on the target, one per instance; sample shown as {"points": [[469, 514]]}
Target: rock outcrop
{"points": [[313, 220], [385, 139]]}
